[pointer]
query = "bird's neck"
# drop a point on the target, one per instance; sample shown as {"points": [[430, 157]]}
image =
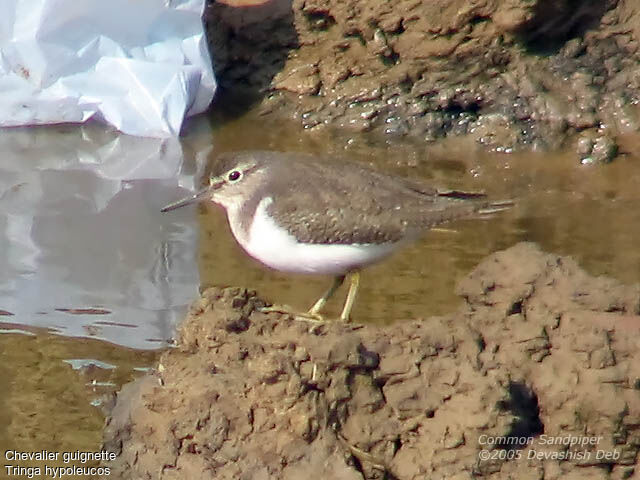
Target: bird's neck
{"points": [[241, 214]]}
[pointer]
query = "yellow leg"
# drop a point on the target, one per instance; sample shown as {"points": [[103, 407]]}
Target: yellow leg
{"points": [[319, 305], [313, 314], [351, 296]]}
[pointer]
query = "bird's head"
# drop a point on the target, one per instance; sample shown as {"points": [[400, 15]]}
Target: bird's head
{"points": [[234, 176]]}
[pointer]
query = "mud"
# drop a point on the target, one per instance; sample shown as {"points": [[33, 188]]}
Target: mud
{"points": [[539, 348], [517, 74]]}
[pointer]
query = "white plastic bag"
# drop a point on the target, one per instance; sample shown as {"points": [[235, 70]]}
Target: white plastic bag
{"points": [[141, 66]]}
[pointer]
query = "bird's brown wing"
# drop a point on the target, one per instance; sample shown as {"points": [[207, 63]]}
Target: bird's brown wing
{"points": [[350, 204]]}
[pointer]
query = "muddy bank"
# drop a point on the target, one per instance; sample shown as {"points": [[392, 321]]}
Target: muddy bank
{"points": [[516, 74], [540, 349]]}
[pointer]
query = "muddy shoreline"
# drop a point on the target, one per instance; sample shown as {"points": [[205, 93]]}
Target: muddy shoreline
{"points": [[539, 350], [513, 75]]}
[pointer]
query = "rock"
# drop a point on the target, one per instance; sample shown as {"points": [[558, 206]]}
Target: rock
{"points": [[595, 146], [302, 78]]}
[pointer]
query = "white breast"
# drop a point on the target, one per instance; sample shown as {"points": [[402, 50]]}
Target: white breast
{"points": [[275, 247]]}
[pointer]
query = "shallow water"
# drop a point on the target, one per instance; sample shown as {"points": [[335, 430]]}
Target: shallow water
{"points": [[93, 278], [51, 387], [568, 208]]}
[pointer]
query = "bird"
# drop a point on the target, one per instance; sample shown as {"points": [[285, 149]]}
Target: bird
{"points": [[303, 213]]}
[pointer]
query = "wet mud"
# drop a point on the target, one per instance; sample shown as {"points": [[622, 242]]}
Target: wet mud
{"points": [[511, 75], [538, 349]]}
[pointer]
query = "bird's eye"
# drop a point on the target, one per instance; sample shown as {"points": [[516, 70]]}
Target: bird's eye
{"points": [[234, 176]]}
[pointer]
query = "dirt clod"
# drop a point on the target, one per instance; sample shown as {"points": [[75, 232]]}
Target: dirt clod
{"points": [[516, 74], [540, 349]]}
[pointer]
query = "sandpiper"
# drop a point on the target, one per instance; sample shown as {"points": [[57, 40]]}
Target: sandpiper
{"points": [[301, 213]]}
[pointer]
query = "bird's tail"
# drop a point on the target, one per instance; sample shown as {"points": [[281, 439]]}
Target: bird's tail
{"points": [[470, 205], [490, 208], [482, 208]]}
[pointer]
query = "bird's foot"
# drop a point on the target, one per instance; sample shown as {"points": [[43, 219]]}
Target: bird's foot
{"points": [[286, 309], [312, 317], [309, 316]]}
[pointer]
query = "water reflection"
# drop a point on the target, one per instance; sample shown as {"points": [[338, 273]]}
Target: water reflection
{"points": [[85, 250]]}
